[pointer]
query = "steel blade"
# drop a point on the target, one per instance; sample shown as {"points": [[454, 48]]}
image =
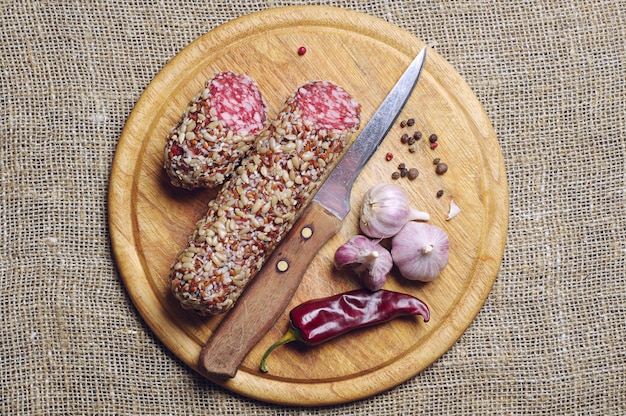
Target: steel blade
{"points": [[334, 194]]}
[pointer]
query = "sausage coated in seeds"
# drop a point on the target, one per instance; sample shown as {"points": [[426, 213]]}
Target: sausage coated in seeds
{"points": [[217, 129], [257, 206]]}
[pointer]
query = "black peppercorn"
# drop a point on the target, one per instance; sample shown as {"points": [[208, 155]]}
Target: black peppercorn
{"points": [[440, 193], [417, 135], [405, 138], [410, 122], [395, 175], [433, 138], [413, 173]]}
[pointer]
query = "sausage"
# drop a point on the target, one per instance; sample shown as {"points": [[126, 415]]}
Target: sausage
{"points": [[216, 130], [257, 206]]}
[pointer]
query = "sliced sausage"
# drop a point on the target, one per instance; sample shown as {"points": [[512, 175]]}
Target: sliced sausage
{"points": [[257, 206]]}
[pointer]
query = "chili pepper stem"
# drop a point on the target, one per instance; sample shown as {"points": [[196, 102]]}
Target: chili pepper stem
{"points": [[288, 337]]}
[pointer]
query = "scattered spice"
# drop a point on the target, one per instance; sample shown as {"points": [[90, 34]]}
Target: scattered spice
{"points": [[404, 172], [395, 175], [433, 138], [440, 193], [319, 320], [417, 135], [301, 50], [441, 168], [412, 148], [411, 141], [413, 173], [403, 123], [434, 145], [410, 122], [436, 161], [389, 156], [404, 139], [401, 166]]}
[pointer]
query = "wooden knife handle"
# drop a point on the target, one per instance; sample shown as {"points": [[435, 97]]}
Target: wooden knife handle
{"points": [[269, 293]]}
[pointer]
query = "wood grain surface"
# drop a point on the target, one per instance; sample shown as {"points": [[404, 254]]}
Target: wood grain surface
{"points": [[150, 220]]}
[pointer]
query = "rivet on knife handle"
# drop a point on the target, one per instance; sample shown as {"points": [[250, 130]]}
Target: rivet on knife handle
{"points": [[257, 310]]}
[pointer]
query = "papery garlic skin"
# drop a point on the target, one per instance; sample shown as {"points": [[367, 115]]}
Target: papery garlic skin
{"points": [[385, 210], [454, 210], [420, 251], [367, 258]]}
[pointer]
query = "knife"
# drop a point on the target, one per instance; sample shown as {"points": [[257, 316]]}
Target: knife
{"points": [[269, 293]]}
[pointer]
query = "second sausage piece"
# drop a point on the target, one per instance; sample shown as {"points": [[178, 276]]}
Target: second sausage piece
{"points": [[256, 207]]}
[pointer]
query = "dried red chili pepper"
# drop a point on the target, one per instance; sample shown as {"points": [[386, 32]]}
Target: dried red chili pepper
{"points": [[319, 320]]}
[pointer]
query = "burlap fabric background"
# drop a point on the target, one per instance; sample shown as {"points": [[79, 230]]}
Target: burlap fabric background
{"points": [[550, 339]]}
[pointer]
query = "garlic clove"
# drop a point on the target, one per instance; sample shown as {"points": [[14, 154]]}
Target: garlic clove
{"points": [[347, 255], [454, 210], [420, 251], [371, 261]]}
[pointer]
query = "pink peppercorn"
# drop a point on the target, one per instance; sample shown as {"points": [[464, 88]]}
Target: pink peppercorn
{"points": [[301, 50], [388, 156], [434, 145]]}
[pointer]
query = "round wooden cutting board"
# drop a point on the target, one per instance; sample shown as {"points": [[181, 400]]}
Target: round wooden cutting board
{"points": [[150, 220]]}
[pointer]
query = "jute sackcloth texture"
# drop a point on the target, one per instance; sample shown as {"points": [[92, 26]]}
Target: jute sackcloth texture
{"points": [[550, 338]]}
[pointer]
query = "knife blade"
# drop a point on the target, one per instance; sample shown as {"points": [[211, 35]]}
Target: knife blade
{"points": [[273, 287]]}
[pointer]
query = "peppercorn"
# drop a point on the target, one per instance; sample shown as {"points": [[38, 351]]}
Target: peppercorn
{"points": [[301, 50], [433, 138], [319, 320], [412, 148], [410, 122], [404, 172], [388, 156], [395, 175], [417, 135], [401, 166], [404, 139], [434, 145], [413, 173], [440, 193], [403, 123], [436, 161], [441, 168], [411, 141]]}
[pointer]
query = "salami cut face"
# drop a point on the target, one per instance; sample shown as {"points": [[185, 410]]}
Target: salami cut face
{"points": [[238, 103], [327, 106], [259, 203], [215, 132]]}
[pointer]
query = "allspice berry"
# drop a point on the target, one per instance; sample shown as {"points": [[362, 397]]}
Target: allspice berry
{"points": [[441, 168]]}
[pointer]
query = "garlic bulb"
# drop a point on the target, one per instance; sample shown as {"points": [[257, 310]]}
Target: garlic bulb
{"points": [[367, 258], [385, 210], [420, 251]]}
